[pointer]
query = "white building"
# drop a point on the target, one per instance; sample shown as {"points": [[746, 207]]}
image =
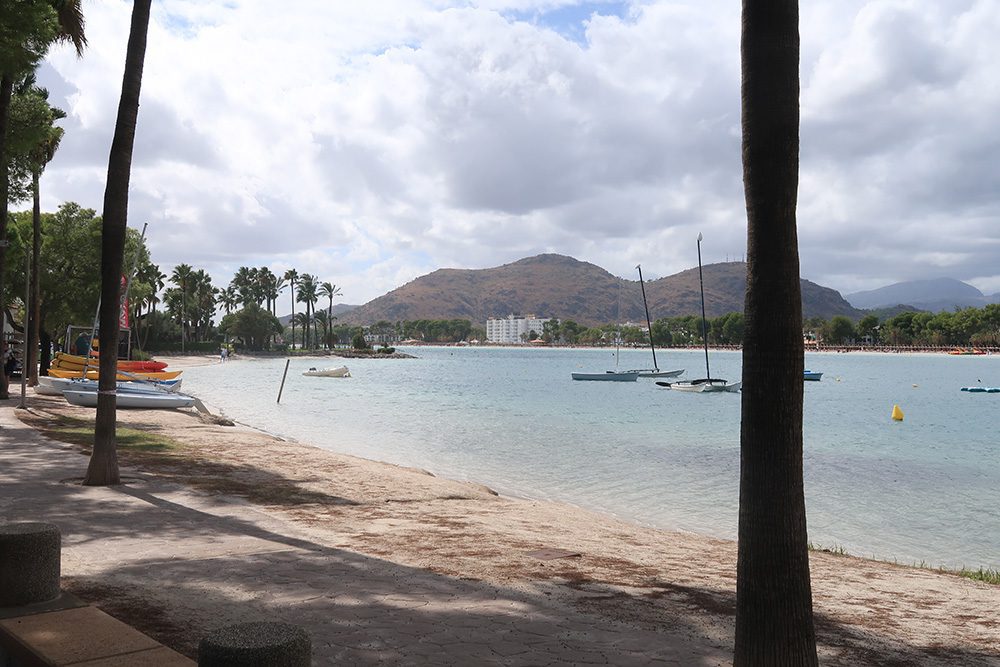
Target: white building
{"points": [[512, 329]]}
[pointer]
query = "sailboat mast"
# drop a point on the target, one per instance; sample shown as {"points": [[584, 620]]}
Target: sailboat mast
{"points": [[649, 326], [704, 320]]}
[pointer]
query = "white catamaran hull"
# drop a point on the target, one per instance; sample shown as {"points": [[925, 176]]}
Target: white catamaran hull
{"points": [[50, 386], [610, 376], [703, 386], [656, 373], [161, 400]]}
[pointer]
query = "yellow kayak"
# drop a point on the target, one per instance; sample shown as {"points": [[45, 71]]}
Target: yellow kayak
{"points": [[94, 374]]}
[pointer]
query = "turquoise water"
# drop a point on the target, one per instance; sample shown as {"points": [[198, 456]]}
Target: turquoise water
{"points": [[923, 490]]}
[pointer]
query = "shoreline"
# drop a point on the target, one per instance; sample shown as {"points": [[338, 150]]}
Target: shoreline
{"points": [[635, 576], [957, 565]]}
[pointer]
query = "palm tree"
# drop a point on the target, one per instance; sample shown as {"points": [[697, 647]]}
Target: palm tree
{"points": [[291, 275], [307, 295], [28, 33], [40, 156], [303, 320], [323, 320], [329, 290], [103, 466], [181, 276], [277, 288], [774, 618]]}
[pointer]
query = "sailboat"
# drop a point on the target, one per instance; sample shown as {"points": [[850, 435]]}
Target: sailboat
{"points": [[655, 371], [610, 376], [707, 383], [615, 375]]}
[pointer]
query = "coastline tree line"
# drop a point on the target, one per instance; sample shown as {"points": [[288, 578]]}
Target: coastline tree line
{"points": [[166, 312]]}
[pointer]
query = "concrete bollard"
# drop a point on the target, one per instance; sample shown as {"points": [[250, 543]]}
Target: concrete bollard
{"points": [[256, 645], [29, 563]]}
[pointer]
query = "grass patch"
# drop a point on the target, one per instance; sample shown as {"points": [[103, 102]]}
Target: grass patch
{"points": [[76, 431], [984, 574]]}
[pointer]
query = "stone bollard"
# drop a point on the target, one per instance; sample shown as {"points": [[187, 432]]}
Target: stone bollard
{"points": [[29, 563], [256, 645]]}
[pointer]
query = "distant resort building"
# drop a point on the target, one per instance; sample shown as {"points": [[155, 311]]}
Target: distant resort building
{"points": [[513, 329]]}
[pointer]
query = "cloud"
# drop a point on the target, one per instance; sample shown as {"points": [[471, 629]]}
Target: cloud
{"points": [[369, 143]]}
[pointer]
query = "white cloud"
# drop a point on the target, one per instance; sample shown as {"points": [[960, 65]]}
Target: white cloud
{"points": [[368, 143]]}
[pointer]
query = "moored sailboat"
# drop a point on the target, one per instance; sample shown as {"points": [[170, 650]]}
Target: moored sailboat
{"points": [[708, 383]]}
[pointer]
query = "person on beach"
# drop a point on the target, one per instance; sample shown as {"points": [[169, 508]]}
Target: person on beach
{"points": [[82, 345], [223, 354]]}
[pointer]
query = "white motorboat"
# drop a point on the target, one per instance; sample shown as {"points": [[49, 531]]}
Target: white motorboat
{"points": [[815, 376], [338, 372], [144, 400]]}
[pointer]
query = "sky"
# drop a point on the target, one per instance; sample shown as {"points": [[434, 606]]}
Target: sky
{"points": [[370, 143]]}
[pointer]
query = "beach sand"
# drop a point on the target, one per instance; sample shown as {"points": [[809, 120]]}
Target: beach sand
{"points": [[603, 577]]}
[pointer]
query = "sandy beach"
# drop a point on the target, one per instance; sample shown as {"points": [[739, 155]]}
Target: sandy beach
{"points": [[643, 594]]}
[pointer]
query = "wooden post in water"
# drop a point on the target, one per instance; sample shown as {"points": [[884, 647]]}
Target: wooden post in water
{"points": [[282, 387]]}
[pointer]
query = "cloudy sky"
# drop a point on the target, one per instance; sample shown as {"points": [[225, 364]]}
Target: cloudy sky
{"points": [[372, 142]]}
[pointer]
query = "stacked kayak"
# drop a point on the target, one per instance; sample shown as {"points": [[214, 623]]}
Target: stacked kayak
{"points": [[74, 366]]}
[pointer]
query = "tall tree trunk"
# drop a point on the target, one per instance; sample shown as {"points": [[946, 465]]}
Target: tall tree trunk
{"points": [[6, 88], [774, 619], [103, 468], [45, 344], [31, 363]]}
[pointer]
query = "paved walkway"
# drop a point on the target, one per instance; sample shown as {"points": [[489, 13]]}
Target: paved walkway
{"points": [[203, 562]]}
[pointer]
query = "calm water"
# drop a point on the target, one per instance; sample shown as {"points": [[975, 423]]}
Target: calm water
{"points": [[921, 490]]}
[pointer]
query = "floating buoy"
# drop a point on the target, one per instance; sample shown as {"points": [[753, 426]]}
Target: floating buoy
{"points": [[897, 414]]}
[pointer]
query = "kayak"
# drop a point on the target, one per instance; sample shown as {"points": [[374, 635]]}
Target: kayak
{"points": [[122, 375], [70, 361]]}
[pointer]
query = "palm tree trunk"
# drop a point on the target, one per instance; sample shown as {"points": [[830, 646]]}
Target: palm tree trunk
{"points": [[31, 363], [6, 88], [103, 467], [774, 618]]}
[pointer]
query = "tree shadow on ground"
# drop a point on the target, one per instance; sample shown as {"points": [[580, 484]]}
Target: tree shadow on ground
{"points": [[201, 568]]}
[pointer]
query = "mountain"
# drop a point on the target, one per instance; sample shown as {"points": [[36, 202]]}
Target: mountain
{"points": [[933, 295], [559, 286]]}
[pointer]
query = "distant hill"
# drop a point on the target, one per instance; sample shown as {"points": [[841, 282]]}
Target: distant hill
{"points": [[933, 295], [559, 286]]}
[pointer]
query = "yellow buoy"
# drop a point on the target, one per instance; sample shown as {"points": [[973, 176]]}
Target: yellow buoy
{"points": [[897, 414]]}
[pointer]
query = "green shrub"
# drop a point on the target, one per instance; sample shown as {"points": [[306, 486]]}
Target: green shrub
{"points": [[385, 349], [359, 342]]}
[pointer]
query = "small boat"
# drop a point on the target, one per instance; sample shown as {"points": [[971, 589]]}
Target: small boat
{"points": [[703, 386], [53, 386], [143, 400], [338, 372], [655, 371], [608, 376], [971, 350], [979, 389], [707, 384], [815, 376]]}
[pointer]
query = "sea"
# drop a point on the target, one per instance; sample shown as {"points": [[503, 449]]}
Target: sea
{"points": [[924, 490]]}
